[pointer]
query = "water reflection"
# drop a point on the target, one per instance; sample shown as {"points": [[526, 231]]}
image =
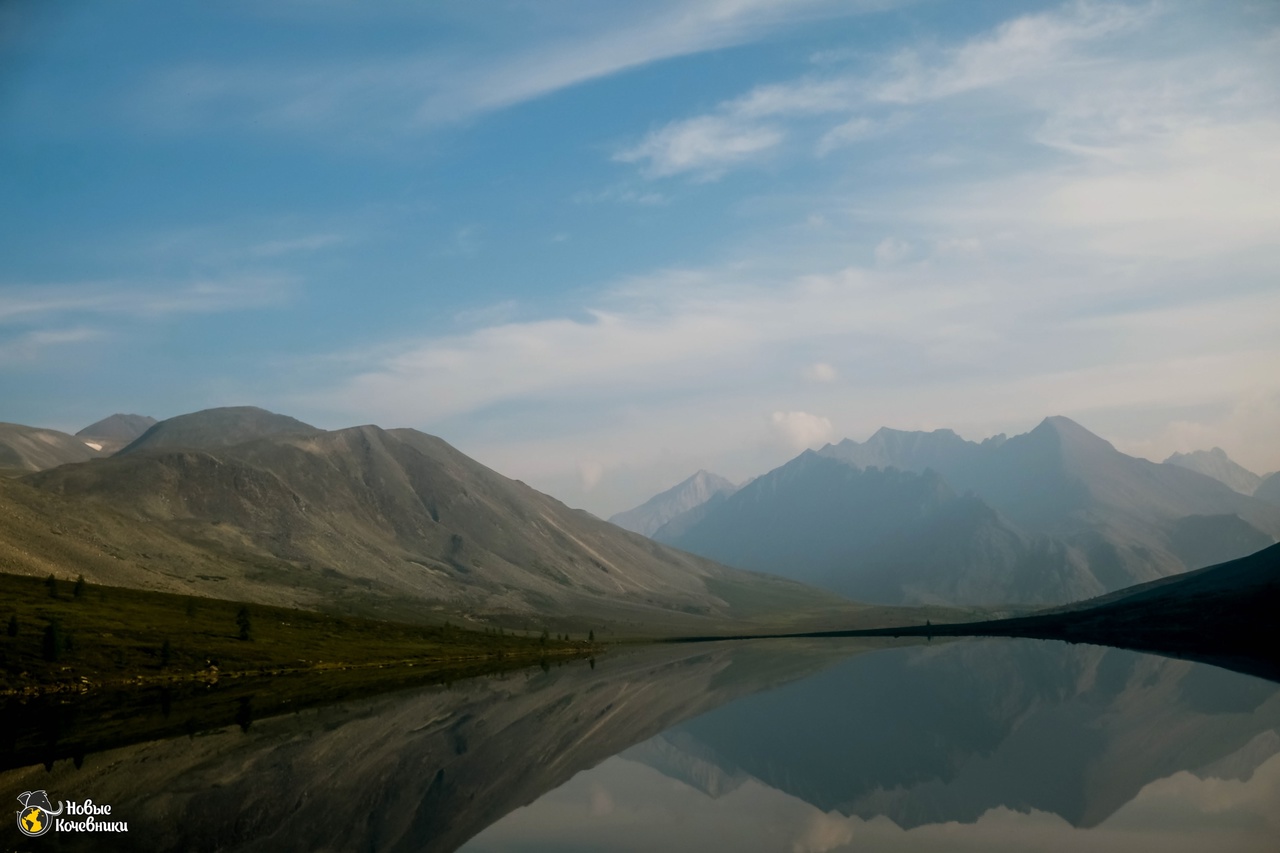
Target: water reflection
{"points": [[769, 746], [996, 744]]}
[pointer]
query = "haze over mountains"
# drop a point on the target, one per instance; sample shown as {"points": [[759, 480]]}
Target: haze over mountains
{"points": [[1047, 517]]}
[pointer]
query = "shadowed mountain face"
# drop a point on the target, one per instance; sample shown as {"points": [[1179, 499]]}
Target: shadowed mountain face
{"points": [[399, 519], [1269, 489], [659, 509], [24, 448], [1045, 517], [882, 535], [1217, 464]]}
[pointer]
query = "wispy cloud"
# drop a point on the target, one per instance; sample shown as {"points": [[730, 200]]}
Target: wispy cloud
{"points": [[29, 303], [578, 43], [706, 145], [21, 350]]}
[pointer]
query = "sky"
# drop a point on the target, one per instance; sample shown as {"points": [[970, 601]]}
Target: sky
{"points": [[598, 246]]}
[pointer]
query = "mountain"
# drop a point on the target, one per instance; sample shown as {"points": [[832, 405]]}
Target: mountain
{"points": [[214, 428], [881, 535], [393, 522], [942, 450], [113, 433], [1217, 464], [682, 497], [24, 448], [1038, 518], [1269, 489]]}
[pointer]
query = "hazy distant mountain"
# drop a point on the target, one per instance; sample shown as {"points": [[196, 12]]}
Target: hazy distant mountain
{"points": [[1217, 464], [396, 519], [214, 428], [942, 450], [661, 508], [885, 536], [1060, 478], [1269, 489], [24, 448], [1045, 516], [112, 433]]}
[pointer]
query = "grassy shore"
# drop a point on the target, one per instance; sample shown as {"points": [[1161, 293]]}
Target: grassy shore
{"points": [[69, 637]]}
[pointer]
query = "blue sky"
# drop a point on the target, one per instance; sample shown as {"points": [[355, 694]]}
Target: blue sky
{"points": [[599, 246]]}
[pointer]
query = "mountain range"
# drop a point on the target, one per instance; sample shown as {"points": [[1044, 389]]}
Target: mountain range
{"points": [[1050, 516], [246, 504]]}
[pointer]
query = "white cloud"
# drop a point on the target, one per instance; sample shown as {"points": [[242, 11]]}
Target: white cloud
{"points": [[590, 474], [28, 303], [294, 245], [1018, 50], [820, 371], [555, 50], [854, 130], [892, 250], [706, 145], [29, 346], [799, 430], [1126, 264]]}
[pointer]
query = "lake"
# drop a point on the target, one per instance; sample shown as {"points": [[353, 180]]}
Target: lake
{"points": [[802, 746]]}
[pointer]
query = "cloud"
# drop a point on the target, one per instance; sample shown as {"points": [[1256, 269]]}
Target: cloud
{"points": [[590, 474], [294, 245], [621, 194], [892, 250], [821, 372], [1022, 49], [798, 430], [854, 130], [1107, 250], [29, 346], [707, 145], [30, 303], [544, 51]]}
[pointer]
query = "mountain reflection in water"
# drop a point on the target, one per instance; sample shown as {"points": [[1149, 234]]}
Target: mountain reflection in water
{"points": [[754, 746]]}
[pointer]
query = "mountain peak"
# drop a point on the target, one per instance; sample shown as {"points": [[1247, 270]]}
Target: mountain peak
{"points": [[119, 426], [1217, 464], [1071, 434], [680, 498], [219, 427]]}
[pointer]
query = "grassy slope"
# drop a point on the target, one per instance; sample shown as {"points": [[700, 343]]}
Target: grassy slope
{"points": [[117, 636]]}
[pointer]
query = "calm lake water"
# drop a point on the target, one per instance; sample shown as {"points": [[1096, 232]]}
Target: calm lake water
{"points": [[981, 745]]}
